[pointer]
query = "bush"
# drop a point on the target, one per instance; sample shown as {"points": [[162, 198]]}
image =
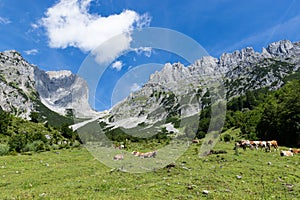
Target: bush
{"points": [[37, 145], [54, 146], [76, 144], [227, 137], [17, 142], [68, 132], [4, 149]]}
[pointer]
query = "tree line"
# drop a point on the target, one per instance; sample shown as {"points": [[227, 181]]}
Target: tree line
{"points": [[263, 114]]}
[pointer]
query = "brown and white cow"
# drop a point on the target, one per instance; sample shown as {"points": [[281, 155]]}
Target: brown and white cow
{"points": [[286, 153], [119, 157], [151, 154], [243, 144], [272, 143], [255, 144], [295, 151]]}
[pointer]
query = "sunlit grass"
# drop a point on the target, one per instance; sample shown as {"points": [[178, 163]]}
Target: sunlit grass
{"points": [[76, 174]]}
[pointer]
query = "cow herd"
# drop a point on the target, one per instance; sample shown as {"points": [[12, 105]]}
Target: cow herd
{"points": [[151, 154], [266, 145], [251, 144]]}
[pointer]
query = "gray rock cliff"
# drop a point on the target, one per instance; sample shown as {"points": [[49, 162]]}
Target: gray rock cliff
{"points": [[23, 84]]}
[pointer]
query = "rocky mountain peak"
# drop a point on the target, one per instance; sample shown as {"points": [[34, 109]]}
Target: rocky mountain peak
{"points": [[280, 48], [12, 54], [59, 74], [169, 73]]}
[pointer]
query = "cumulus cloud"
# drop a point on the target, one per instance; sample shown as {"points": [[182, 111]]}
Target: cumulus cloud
{"points": [[4, 20], [69, 23], [31, 52], [117, 65], [112, 48], [135, 87]]}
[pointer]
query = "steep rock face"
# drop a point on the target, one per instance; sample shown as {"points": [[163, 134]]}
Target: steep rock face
{"points": [[17, 84], [180, 90], [281, 48], [61, 90], [23, 84], [266, 69]]}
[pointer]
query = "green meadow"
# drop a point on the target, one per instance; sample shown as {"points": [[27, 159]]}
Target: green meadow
{"points": [[76, 174]]}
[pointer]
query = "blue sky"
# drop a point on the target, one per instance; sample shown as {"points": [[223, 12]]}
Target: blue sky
{"points": [[59, 34]]}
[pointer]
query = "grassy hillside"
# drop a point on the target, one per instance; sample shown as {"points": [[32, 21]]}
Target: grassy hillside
{"points": [[75, 174], [20, 135]]}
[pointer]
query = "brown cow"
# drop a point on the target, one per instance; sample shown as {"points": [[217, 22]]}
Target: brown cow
{"points": [[272, 143]]}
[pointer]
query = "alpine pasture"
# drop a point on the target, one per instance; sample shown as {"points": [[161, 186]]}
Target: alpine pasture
{"points": [[225, 174]]}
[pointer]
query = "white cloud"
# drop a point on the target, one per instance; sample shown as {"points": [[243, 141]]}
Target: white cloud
{"points": [[117, 65], [34, 26], [146, 50], [112, 48], [135, 87], [31, 52], [69, 23], [4, 20]]}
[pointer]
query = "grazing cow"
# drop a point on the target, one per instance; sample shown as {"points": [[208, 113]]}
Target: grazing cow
{"points": [[255, 144], [295, 151], [286, 153], [243, 143], [272, 143], [119, 157], [263, 144]]}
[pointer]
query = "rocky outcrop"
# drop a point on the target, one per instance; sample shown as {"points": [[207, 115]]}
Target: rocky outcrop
{"points": [[22, 85], [17, 84]]}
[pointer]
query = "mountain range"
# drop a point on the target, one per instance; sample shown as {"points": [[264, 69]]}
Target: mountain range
{"points": [[176, 90], [184, 91]]}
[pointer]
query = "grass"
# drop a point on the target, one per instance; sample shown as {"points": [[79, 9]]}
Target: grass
{"points": [[76, 174]]}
